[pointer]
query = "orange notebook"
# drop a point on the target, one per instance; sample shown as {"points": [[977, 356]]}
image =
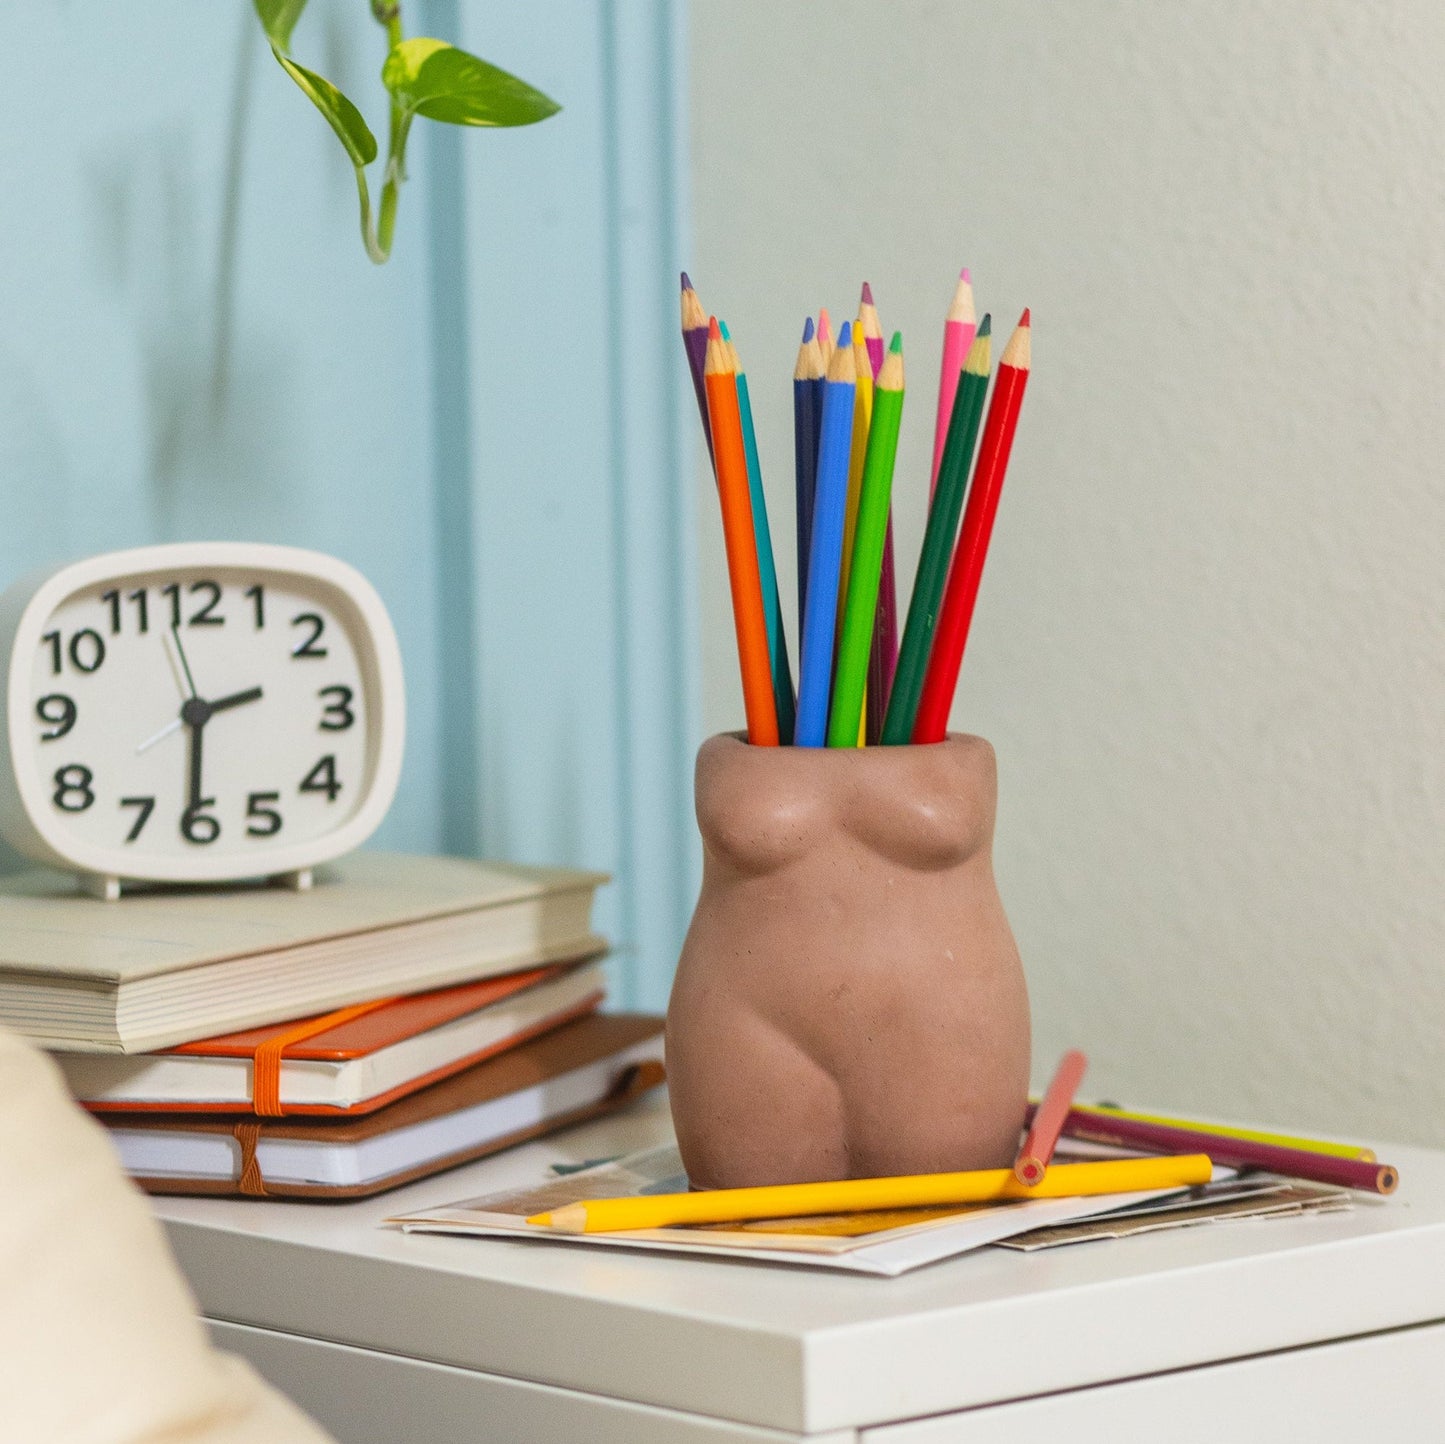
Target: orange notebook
{"points": [[351, 1062], [571, 1074]]}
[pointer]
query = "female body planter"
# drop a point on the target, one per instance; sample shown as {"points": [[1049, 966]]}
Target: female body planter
{"points": [[850, 1001]]}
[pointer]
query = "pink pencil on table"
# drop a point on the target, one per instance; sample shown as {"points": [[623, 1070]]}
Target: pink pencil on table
{"points": [[1049, 1119], [958, 330]]}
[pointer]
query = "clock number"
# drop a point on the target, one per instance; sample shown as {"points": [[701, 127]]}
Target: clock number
{"points": [[112, 599], [257, 595], [322, 778], [203, 618], [308, 648], [59, 710], [146, 804], [87, 650], [255, 809], [198, 826], [72, 788], [338, 715]]}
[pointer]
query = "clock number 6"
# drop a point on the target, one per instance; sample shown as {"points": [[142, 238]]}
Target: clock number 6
{"points": [[338, 715], [200, 827]]}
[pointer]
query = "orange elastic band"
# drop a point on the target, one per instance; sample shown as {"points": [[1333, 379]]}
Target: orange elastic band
{"points": [[266, 1061]]}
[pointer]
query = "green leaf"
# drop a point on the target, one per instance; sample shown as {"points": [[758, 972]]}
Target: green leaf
{"points": [[278, 20], [434, 79], [345, 119]]}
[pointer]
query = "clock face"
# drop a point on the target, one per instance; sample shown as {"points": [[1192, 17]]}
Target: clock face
{"points": [[219, 713]]}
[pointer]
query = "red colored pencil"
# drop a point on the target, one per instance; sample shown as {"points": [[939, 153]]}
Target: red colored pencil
{"points": [[744, 579], [1049, 1118], [951, 633], [872, 330]]}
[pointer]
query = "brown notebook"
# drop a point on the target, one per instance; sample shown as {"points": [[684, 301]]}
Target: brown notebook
{"points": [[574, 1073]]}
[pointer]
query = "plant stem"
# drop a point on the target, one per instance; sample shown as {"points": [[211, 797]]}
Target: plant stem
{"points": [[388, 13]]}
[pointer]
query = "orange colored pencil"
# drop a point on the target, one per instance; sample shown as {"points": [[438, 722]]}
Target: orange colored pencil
{"points": [[745, 581], [1049, 1119]]}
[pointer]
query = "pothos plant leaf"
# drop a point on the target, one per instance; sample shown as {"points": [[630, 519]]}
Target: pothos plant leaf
{"points": [[278, 20], [431, 78], [345, 119]]}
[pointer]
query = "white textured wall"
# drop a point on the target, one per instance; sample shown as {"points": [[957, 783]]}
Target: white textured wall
{"points": [[1210, 646]]}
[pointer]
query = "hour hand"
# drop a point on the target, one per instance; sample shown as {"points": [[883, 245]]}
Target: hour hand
{"points": [[236, 699]]}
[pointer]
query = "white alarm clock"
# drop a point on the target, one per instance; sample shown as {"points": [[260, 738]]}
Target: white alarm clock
{"points": [[197, 712]]}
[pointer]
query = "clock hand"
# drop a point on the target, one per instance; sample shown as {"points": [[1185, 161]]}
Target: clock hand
{"points": [[173, 726], [236, 699], [195, 714], [175, 639]]}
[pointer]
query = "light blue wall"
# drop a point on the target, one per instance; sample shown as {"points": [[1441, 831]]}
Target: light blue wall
{"points": [[192, 343]]}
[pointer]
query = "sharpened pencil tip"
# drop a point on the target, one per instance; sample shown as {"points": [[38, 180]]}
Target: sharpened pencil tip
{"points": [[845, 336], [985, 327], [686, 284], [964, 275], [807, 330], [722, 327], [1024, 319], [867, 294], [713, 332], [896, 344]]}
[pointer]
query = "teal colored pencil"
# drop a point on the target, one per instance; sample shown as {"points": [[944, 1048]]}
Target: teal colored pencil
{"points": [[767, 570], [938, 535]]}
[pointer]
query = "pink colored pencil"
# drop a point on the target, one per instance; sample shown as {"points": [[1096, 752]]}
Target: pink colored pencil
{"points": [[825, 337], [1049, 1118], [872, 330], [958, 329]]}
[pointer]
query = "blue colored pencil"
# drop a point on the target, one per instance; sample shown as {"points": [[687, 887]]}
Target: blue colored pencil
{"points": [[825, 552], [807, 394], [767, 570]]}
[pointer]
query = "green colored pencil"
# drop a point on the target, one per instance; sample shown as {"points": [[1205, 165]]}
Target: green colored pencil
{"points": [[767, 570], [875, 492], [938, 535]]}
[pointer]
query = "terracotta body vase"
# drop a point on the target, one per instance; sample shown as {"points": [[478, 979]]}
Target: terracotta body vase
{"points": [[849, 1002]]}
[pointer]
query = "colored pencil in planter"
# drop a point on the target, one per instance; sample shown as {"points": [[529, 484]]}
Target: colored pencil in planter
{"points": [[1371, 1176], [830, 505], [958, 334], [867, 1195], [763, 539], [857, 455], [943, 514], [825, 338], [731, 462], [694, 340], [862, 594], [956, 613], [1042, 1138], [872, 330], [807, 416]]}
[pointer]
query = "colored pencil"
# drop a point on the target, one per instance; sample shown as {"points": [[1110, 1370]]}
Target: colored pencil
{"points": [[857, 455], [1048, 1120], [1219, 1130], [1369, 1175], [872, 330], [883, 659], [694, 340], [954, 617], [938, 534], [807, 389], [826, 342], [958, 333], [862, 594], [865, 1195], [763, 539], [749, 619], [830, 505]]}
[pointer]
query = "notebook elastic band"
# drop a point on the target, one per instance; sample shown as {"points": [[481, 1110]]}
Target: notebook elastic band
{"points": [[251, 1183], [266, 1061]]}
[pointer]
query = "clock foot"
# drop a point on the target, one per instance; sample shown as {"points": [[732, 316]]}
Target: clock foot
{"points": [[298, 881], [101, 886]]}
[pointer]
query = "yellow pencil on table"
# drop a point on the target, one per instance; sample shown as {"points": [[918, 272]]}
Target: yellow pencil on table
{"points": [[1219, 1130], [861, 1195]]}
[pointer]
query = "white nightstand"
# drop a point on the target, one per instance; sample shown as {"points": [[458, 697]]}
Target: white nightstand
{"points": [[1323, 1327]]}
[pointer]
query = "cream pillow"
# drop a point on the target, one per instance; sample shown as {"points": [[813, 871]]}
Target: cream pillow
{"points": [[98, 1332]]}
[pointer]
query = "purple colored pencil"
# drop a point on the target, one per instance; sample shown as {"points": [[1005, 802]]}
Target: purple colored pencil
{"points": [[1372, 1177], [807, 398], [694, 340], [872, 330]]}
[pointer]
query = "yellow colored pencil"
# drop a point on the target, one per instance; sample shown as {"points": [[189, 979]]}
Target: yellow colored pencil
{"points": [[860, 1195], [857, 456], [1249, 1135]]}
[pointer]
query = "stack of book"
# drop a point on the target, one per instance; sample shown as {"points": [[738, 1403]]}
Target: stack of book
{"points": [[405, 1015]]}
